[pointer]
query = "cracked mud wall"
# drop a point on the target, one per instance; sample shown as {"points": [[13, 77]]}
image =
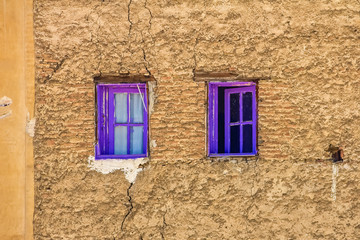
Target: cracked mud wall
{"points": [[309, 50]]}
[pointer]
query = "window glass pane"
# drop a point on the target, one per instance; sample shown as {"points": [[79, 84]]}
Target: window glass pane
{"points": [[136, 108], [120, 140], [247, 106], [234, 107], [247, 138], [235, 139], [121, 114], [221, 119], [137, 140]]}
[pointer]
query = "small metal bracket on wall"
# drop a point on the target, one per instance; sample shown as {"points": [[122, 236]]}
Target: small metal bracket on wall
{"points": [[336, 153]]}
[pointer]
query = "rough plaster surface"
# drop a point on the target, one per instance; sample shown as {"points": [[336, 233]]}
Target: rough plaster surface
{"points": [[310, 50]]}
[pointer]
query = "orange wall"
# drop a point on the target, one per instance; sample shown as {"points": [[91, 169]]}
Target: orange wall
{"points": [[16, 151]]}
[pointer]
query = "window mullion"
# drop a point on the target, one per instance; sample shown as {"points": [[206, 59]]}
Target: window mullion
{"points": [[227, 122], [106, 111], [128, 124], [145, 122], [111, 113], [241, 121], [128, 121], [105, 128], [215, 119]]}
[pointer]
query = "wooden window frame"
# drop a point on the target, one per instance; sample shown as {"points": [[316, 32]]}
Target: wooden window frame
{"points": [[213, 140], [106, 119]]}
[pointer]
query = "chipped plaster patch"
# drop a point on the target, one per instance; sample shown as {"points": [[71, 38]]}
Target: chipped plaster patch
{"points": [[130, 167], [5, 110], [30, 125], [152, 96], [153, 144]]}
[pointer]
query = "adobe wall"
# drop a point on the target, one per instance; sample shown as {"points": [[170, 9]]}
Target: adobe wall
{"points": [[310, 51]]}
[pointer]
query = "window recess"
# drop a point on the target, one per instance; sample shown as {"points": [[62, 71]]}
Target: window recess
{"points": [[122, 121], [232, 118]]}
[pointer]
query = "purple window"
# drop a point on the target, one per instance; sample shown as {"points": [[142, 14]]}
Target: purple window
{"points": [[232, 119], [121, 121]]}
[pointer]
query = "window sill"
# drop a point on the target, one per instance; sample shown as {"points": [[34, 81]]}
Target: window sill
{"points": [[120, 157], [214, 155]]}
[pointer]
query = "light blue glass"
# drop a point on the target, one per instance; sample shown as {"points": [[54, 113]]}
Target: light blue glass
{"points": [[121, 113], [120, 140], [137, 140], [136, 108]]}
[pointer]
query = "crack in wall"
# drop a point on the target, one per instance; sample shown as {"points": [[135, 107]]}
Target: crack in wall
{"points": [[151, 16], [129, 20], [138, 30], [151, 36], [146, 62], [57, 67], [163, 226], [131, 206]]}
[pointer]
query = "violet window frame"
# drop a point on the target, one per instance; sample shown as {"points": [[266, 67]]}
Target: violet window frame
{"points": [[106, 120], [213, 123]]}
